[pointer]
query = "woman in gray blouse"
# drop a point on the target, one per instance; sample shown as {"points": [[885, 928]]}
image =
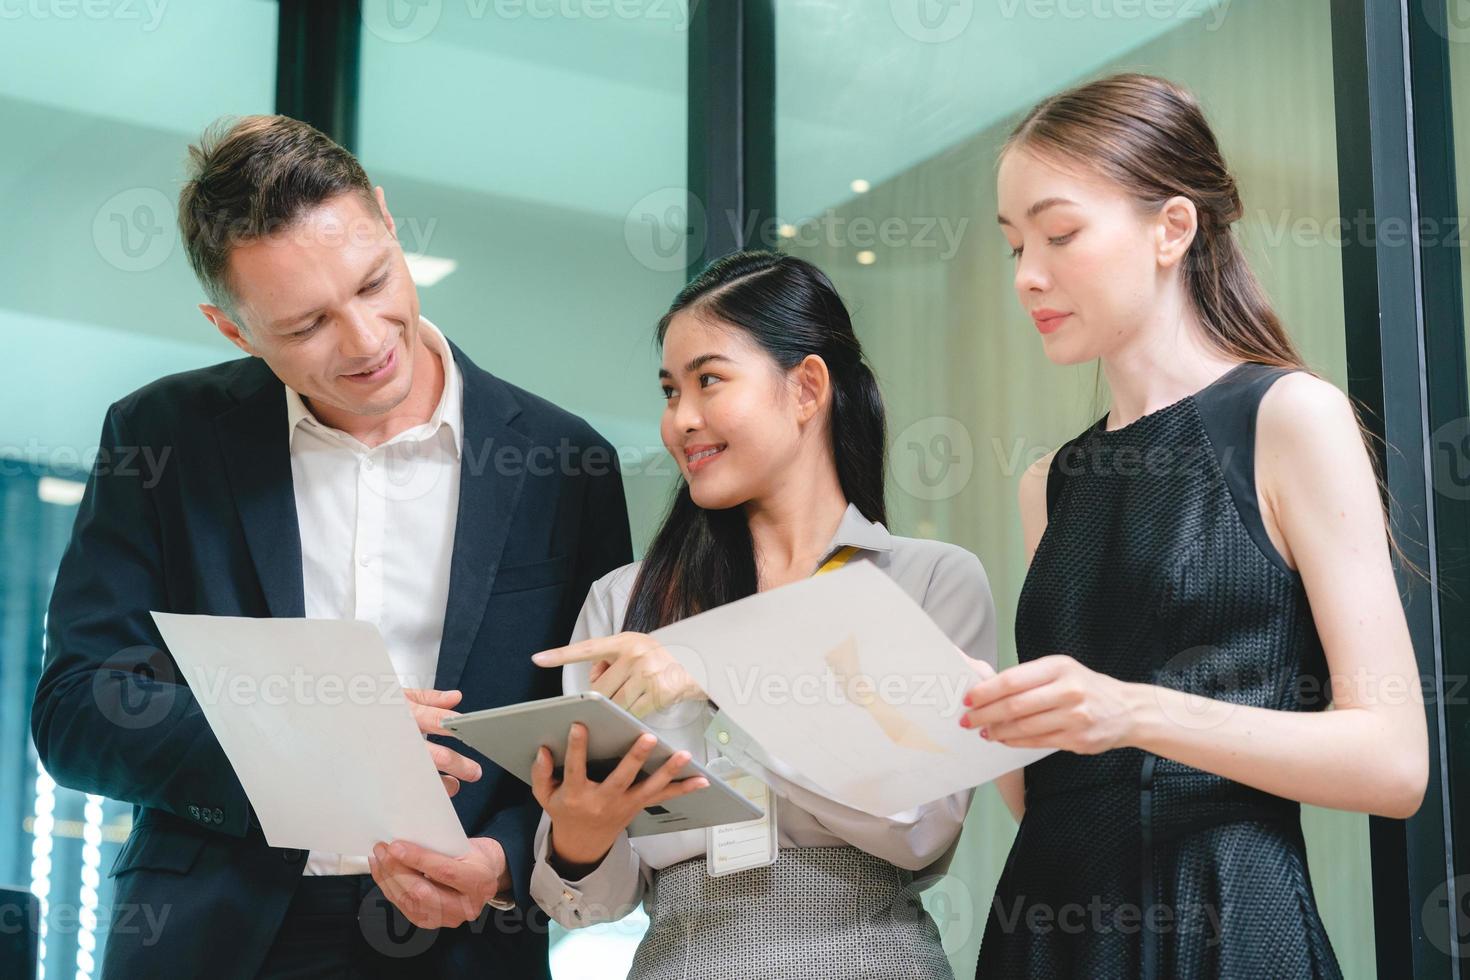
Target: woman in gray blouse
{"points": [[778, 429]]}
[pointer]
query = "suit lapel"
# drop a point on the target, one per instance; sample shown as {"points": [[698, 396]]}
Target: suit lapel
{"points": [[257, 457], [492, 471]]}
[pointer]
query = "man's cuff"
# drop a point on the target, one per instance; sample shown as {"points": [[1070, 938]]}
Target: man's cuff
{"points": [[222, 808], [513, 828]]}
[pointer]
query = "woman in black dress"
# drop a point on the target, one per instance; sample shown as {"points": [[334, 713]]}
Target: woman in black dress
{"points": [[1209, 570]]}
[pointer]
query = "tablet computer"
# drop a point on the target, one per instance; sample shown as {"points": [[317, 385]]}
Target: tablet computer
{"points": [[510, 736]]}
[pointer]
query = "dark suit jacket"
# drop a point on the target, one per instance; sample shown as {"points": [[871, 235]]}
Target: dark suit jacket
{"points": [[207, 524]]}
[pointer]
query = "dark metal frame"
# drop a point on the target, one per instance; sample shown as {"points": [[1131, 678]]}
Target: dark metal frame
{"points": [[317, 54], [1406, 369], [1449, 417], [732, 128]]}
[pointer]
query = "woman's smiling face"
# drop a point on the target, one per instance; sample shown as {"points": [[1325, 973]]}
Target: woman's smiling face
{"points": [[1087, 269], [731, 417]]}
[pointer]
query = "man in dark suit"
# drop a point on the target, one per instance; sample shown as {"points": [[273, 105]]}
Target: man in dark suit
{"points": [[356, 465]]}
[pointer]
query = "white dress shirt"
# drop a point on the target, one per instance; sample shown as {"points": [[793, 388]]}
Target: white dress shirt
{"points": [[951, 585], [377, 533]]}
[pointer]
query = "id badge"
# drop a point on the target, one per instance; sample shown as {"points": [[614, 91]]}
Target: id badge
{"points": [[748, 844]]}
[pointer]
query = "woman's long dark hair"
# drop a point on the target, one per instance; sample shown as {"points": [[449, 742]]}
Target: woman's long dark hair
{"points": [[702, 558]]}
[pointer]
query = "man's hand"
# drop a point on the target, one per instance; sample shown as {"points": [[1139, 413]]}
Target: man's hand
{"points": [[435, 891], [430, 708]]}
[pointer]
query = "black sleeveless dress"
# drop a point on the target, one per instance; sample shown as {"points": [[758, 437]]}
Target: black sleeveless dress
{"points": [[1156, 568]]}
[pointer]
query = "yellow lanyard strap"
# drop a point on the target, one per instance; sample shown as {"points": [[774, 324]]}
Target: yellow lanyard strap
{"points": [[842, 557]]}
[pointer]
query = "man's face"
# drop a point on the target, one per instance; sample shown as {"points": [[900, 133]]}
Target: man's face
{"points": [[329, 305]]}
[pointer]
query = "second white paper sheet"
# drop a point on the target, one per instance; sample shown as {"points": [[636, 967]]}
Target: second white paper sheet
{"points": [[846, 679], [316, 726]]}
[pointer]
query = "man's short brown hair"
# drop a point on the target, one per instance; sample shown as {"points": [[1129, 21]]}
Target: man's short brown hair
{"points": [[252, 177]]}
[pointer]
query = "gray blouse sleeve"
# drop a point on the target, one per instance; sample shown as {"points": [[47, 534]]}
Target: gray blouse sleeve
{"points": [[615, 887]]}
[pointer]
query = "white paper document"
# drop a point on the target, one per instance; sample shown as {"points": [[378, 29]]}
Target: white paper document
{"points": [[315, 724], [847, 680]]}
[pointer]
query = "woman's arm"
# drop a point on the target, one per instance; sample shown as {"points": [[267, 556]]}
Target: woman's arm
{"points": [[1032, 494], [1369, 753], [586, 870]]}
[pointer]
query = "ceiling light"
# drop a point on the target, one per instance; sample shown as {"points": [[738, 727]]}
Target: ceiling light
{"points": [[428, 269], [63, 493]]}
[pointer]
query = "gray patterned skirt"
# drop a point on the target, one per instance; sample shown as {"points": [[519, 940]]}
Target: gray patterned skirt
{"points": [[831, 912]]}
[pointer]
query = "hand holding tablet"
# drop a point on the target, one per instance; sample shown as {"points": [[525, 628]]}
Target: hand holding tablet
{"points": [[602, 752]]}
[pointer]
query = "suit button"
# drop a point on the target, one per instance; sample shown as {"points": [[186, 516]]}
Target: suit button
{"points": [[219, 815], [194, 811]]}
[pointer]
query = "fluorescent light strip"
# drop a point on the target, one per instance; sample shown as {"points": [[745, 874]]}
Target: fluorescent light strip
{"points": [[91, 882], [43, 819], [43, 809]]}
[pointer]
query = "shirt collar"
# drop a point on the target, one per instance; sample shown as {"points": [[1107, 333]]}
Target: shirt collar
{"points": [[449, 411], [857, 531]]}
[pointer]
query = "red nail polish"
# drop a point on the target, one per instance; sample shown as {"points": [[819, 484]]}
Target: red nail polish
{"points": [[964, 721], [985, 734]]}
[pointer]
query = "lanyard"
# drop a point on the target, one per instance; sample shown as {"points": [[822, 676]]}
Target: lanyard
{"points": [[841, 558]]}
